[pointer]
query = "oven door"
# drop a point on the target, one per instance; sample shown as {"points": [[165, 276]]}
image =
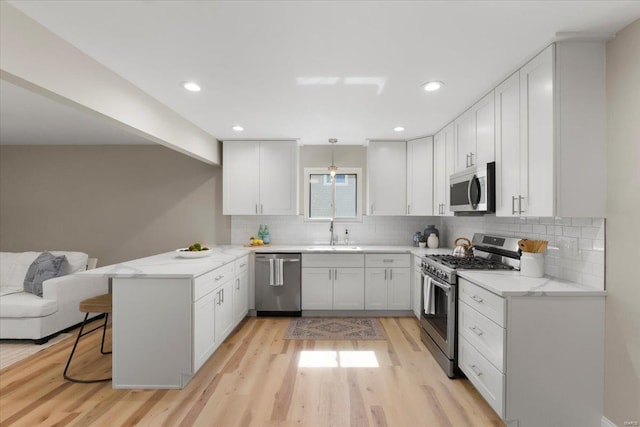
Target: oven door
{"points": [[439, 319]]}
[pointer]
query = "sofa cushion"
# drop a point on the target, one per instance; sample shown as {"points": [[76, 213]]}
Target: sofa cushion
{"points": [[24, 304], [76, 261], [45, 267], [13, 269]]}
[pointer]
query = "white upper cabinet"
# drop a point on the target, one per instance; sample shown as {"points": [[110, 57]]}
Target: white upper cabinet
{"points": [[550, 135], [420, 177], [475, 135], [387, 181], [443, 166], [260, 177]]}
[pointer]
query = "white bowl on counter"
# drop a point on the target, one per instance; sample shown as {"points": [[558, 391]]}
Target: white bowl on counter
{"points": [[186, 253]]}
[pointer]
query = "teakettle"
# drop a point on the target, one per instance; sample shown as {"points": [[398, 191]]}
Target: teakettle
{"points": [[463, 249]]}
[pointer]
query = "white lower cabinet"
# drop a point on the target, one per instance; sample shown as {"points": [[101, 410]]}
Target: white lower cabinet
{"points": [[332, 282], [387, 282], [536, 360], [241, 289], [186, 322], [204, 331], [416, 286]]}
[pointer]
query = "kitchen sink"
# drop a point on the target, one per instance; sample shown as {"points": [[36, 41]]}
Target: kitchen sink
{"points": [[334, 248]]}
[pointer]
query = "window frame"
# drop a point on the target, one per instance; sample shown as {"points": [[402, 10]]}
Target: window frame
{"points": [[341, 171]]}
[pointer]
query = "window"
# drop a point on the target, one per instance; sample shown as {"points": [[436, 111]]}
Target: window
{"points": [[339, 199]]}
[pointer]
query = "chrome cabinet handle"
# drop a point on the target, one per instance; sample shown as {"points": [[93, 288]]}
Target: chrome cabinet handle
{"points": [[520, 204], [243, 265], [329, 274], [466, 162], [218, 278], [476, 330], [475, 370], [238, 284], [256, 208], [371, 208], [335, 274], [219, 298], [385, 274], [513, 205], [476, 298], [471, 159], [390, 274], [387, 260]]}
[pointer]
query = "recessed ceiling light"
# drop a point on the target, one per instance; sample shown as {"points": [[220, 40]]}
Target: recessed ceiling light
{"points": [[237, 128], [431, 86], [191, 86], [398, 128]]}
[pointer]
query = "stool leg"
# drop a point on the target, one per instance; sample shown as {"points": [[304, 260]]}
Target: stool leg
{"points": [[75, 345], [104, 332]]}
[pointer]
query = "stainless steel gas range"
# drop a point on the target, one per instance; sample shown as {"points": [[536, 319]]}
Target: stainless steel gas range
{"points": [[438, 320]]}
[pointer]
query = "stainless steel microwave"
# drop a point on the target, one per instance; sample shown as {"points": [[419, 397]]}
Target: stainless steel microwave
{"points": [[472, 191]]}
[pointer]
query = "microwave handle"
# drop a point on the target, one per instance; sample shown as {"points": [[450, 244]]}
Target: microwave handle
{"points": [[474, 181]]}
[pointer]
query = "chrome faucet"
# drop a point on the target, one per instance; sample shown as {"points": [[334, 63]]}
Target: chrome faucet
{"points": [[332, 242]]}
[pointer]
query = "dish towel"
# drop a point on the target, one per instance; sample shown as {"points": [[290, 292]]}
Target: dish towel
{"points": [[428, 296], [276, 272]]}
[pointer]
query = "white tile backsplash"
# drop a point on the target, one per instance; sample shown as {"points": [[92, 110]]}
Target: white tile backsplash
{"points": [[576, 245], [575, 252]]}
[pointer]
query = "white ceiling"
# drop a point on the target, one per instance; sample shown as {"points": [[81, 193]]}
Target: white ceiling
{"points": [[251, 57]]}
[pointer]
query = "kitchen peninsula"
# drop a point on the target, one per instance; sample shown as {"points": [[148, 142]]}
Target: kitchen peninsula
{"points": [[170, 314]]}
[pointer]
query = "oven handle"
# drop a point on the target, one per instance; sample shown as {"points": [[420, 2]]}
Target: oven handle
{"points": [[435, 281]]}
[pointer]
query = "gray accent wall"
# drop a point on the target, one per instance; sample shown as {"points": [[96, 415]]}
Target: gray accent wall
{"points": [[114, 202]]}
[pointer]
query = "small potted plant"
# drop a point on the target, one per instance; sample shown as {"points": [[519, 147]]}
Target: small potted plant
{"points": [[422, 241]]}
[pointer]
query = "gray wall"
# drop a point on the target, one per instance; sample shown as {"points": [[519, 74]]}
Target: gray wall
{"points": [[622, 349], [113, 202]]}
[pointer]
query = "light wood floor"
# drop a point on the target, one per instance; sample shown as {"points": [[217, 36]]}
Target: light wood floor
{"points": [[252, 380]]}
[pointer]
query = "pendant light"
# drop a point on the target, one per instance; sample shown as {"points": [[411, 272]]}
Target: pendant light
{"points": [[333, 168]]}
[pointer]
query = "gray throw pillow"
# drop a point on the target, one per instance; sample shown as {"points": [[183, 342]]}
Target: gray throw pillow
{"points": [[45, 267]]}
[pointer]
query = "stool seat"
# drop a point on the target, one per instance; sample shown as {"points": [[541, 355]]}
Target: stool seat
{"points": [[98, 304]]}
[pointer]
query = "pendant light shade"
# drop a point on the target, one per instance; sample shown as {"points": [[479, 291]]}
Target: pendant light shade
{"points": [[333, 169]]}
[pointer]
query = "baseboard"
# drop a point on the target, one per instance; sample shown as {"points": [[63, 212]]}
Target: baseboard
{"points": [[605, 422]]}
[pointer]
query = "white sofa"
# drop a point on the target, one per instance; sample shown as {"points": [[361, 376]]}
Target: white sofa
{"points": [[27, 316]]}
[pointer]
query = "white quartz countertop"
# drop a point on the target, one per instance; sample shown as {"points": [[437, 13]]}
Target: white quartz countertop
{"points": [[350, 249], [170, 264], [512, 283]]}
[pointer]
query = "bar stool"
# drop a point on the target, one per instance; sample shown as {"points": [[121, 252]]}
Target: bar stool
{"points": [[99, 304]]}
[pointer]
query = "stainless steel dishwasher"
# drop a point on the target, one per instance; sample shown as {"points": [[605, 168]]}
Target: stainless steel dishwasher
{"points": [[278, 284]]}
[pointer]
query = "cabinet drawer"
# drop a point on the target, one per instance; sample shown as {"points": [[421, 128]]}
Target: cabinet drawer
{"points": [[487, 303], [331, 260], [489, 382], [206, 283], [242, 265], [388, 260], [485, 335]]}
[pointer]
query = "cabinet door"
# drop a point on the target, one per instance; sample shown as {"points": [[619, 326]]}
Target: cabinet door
{"points": [[224, 310], [508, 166], [204, 337], [241, 296], [240, 177], [416, 294], [420, 177], [317, 288], [465, 139], [484, 111], [278, 178], [443, 165], [399, 289], [375, 288], [387, 178], [537, 134], [348, 289]]}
